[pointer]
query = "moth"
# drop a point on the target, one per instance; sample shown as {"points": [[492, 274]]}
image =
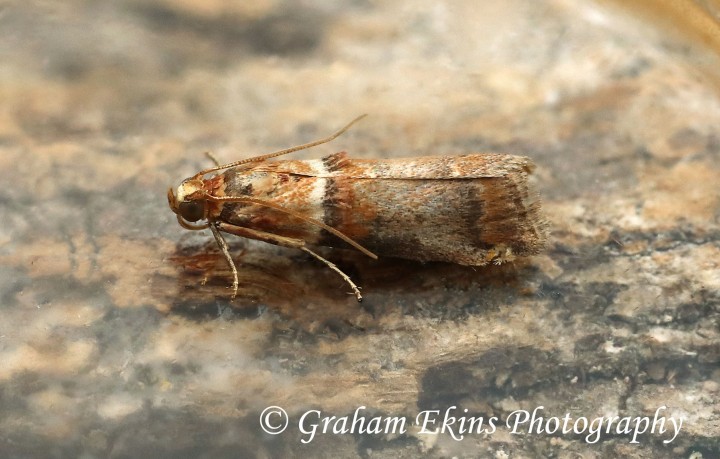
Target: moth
{"points": [[471, 209]]}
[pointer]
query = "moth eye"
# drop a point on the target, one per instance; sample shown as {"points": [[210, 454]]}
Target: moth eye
{"points": [[191, 211]]}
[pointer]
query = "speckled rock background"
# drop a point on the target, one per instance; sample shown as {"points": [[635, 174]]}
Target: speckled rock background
{"points": [[118, 338]]}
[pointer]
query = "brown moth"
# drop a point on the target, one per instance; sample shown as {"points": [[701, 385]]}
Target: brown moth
{"points": [[471, 209]]}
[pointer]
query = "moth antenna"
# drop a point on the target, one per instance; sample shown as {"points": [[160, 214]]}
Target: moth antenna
{"points": [[334, 267], [298, 215], [282, 152], [226, 252], [212, 158]]}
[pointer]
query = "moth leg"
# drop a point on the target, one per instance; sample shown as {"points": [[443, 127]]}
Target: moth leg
{"points": [[284, 242], [226, 252], [298, 215], [332, 266]]}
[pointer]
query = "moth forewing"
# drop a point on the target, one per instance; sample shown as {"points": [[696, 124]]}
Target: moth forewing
{"points": [[469, 209]]}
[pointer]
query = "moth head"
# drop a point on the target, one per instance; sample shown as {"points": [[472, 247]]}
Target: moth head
{"points": [[189, 202]]}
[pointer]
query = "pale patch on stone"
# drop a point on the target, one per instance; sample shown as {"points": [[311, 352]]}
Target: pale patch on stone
{"points": [[117, 406], [131, 265], [58, 358], [685, 192], [43, 258]]}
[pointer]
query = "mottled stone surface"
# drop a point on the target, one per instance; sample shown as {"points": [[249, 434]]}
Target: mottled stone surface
{"points": [[119, 339]]}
